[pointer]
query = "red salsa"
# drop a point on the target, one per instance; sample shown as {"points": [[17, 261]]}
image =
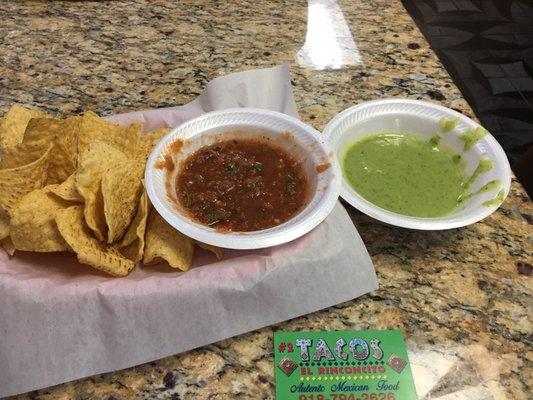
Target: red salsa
{"points": [[242, 185]]}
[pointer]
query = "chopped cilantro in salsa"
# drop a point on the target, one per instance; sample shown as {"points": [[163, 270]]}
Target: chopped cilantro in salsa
{"points": [[242, 185]]}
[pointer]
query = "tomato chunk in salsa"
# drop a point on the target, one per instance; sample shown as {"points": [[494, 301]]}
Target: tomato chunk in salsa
{"points": [[242, 185]]}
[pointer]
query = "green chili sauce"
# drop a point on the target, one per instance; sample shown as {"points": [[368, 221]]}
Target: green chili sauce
{"points": [[406, 174]]}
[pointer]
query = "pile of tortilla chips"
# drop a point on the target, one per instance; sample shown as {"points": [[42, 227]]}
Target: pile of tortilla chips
{"points": [[76, 185]]}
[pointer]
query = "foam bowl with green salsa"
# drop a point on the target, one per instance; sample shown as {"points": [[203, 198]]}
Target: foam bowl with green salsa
{"points": [[418, 165]]}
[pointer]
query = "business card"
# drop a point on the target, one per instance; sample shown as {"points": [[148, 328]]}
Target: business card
{"points": [[342, 365]]}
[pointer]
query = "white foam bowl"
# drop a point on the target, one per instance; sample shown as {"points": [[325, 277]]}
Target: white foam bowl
{"points": [[420, 118], [219, 125]]}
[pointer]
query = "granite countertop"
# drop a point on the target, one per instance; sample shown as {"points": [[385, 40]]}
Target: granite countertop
{"points": [[462, 297]]}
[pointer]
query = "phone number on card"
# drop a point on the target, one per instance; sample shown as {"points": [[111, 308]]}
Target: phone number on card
{"points": [[335, 396]]}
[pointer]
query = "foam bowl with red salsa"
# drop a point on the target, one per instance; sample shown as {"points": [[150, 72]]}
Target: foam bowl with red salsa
{"points": [[243, 178]]}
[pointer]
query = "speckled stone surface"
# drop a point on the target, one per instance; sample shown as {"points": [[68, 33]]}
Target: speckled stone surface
{"points": [[462, 297]]}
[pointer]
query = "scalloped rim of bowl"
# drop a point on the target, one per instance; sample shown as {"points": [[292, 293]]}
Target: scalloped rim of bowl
{"points": [[412, 107], [319, 206]]}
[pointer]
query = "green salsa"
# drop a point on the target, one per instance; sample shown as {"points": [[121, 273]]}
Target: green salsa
{"points": [[448, 125], [471, 136], [406, 174], [495, 201]]}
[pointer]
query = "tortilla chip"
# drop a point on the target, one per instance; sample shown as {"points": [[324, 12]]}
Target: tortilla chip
{"points": [[123, 137], [33, 226], [14, 124], [148, 141], [17, 182], [217, 251], [163, 242], [4, 224], [22, 154], [63, 134], [74, 230], [132, 244], [93, 162], [67, 190], [39, 135], [121, 190], [8, 246]]}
